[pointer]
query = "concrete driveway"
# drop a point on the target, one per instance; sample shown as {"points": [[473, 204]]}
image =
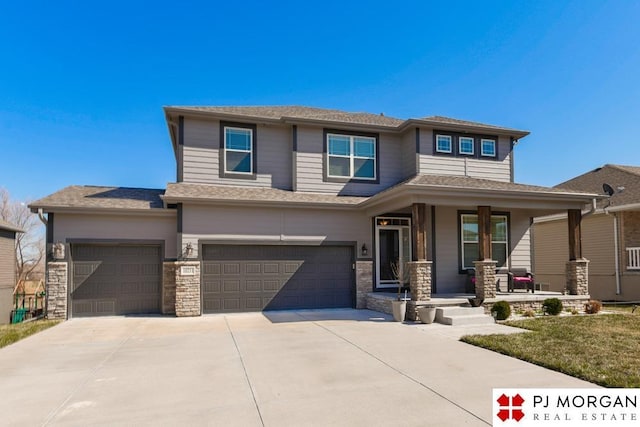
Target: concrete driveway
{"points": [[295, 368]]}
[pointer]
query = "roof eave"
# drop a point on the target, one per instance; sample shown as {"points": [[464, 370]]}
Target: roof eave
{"points": [[265, 203], [101, 210], [338, 123], [182, 111], [517, 134]]}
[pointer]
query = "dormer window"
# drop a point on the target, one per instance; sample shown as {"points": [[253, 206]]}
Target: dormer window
{"points": [[238, 150], [465, 145], [488, 147], [443, 144], [351, 156]]}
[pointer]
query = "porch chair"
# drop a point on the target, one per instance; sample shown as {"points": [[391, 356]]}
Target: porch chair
{"points": [[520, 278]]}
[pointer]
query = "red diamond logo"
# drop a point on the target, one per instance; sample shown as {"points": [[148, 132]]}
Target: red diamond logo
{"points": [[510, 407]]}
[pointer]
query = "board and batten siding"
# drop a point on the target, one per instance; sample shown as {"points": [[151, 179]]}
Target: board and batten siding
{"points": [[201, 155], [449, 279], [409, 154], [117, 228], [309, 164], [291, 226], [495, 169], [7, 273]]}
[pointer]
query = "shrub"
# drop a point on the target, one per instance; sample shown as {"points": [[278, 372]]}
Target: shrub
{"points": [[502, 310], [552, 306], [574, 311], [529, 313], [592, 307]]}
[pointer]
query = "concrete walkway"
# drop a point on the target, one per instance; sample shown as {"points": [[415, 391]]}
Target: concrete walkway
{"points": [[317, 368]]}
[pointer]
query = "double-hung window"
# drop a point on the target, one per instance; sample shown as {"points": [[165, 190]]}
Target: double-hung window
{"points": [[351, 156], [469, 245], [239, 150]]}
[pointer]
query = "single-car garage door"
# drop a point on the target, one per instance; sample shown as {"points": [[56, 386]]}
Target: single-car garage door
{"points": [[115, 279], [255, 278]]}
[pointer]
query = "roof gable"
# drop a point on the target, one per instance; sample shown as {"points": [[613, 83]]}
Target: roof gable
{"points": [[617, 176]]}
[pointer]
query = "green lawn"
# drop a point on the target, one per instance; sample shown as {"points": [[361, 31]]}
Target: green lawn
{"points": [[602, 349], [12, 333]]}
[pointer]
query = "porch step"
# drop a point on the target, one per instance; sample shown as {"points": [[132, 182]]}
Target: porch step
{"points": [[463, 316]]}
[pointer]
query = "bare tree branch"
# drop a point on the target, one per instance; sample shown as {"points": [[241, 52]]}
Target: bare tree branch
{"points": [[29, 245]]}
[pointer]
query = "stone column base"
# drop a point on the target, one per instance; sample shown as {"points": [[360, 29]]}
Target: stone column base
{"points": [[420, 286], [364, 282], [485, 278], [57, 284], [577, 274], [188, 288]]}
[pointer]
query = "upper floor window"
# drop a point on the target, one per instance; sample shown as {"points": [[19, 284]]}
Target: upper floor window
{"points": [[351, 156], [469, 246], [238, 144], [465, 145], [488, 147], [443, 144]]}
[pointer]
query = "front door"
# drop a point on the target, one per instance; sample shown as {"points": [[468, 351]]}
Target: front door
{"points": [[393, 251]]}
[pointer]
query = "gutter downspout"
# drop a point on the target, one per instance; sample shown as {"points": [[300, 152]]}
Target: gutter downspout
{"points": [[41, 216], [616, 249]]}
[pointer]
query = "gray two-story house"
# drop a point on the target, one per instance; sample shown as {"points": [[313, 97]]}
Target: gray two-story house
{"points": [[299, 207]]}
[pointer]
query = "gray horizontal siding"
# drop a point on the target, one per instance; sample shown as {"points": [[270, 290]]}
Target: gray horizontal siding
{"points": [[409, 155], [309, 164], [7, 259], [497, 170], [274, 226], [201, 158]]}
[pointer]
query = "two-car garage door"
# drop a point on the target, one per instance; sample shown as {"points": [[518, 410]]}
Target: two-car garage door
{"points": [[115, 279], [253, 278]]}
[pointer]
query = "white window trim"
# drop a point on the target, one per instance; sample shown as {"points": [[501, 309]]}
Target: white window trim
{"points": [[495, 147], [352, 157], [250, 151], [473, 143], [462, 241], [438, 150]]}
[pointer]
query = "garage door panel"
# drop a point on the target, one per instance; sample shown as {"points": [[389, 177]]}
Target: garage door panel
{"points": [[115, 279], [276, 277]]}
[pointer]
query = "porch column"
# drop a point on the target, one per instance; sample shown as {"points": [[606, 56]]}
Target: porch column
{"points": [[485, 266], [419, 267], [577, 270]]}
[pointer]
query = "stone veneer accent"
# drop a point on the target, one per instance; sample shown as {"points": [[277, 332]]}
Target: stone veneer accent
{"points": [[577, 273], [364, 282], [187, 289], [420, 286], [535, 304], [168, 288], [57, 282], [485, 278]]}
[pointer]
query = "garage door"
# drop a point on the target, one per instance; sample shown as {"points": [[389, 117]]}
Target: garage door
{"points": [[255, 278], [115, 279]]}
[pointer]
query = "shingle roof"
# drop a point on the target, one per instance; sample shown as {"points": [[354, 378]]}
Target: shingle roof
{"points": [[219, 193], [337, 116], [5, 225], [483, 184], [616, 176], [79, 196], [300, 112]]}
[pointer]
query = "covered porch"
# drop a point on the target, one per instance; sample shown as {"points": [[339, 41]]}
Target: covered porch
{"points": [[454, 225]]}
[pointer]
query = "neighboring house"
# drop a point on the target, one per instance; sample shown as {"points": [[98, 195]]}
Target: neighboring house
{"points": [[610, 236], [7, 268], [29, 294], [299, 207]]}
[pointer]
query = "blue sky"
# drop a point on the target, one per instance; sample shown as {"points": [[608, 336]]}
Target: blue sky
{"points": [[82, 84]]}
